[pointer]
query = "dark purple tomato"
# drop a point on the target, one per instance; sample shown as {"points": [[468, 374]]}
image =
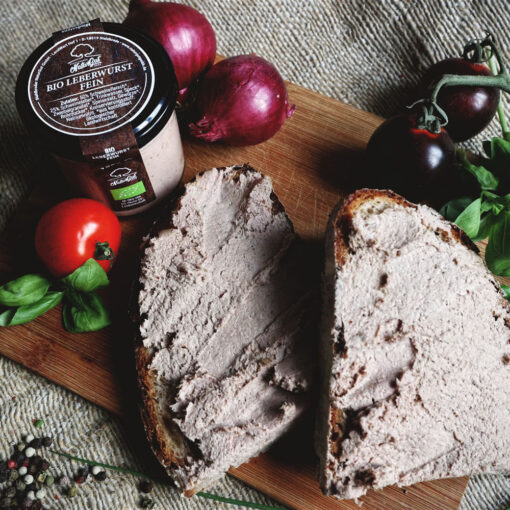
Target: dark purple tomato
{"points": [[469, 108], [414, 162]]}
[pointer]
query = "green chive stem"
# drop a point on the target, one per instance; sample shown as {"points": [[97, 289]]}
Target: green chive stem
{"points": [[205, 495]]}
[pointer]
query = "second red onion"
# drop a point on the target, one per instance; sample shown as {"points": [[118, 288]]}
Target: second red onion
{"points": [[241, 101]]}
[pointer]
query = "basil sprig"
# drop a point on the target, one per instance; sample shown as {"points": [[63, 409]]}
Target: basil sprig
{"points": [[84, 311], [487, 216], [27, 313], [87, 278], [25, 290], [29, 296]]}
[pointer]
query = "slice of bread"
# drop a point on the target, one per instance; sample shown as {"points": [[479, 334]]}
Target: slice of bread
{"points": [[223, 319], [416, 349]]}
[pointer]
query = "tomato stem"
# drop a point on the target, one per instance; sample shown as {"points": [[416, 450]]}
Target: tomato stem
{"points": [[103, 252], [501, 111], [500, 80]]}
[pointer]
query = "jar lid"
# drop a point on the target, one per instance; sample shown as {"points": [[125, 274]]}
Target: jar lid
{"points": [[146, 105]]}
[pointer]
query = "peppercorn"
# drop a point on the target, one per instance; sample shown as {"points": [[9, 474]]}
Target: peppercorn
{"points": [[41, 493], [101, 476], [47, 441], [31, 487], [23, 470], [20, 447], [11, 464], [33, 469], [62, 480], [10, 492], [19, 459], [72, 491], [83, 471], [38, 423], [28, 479], [28, 438], [30, 452], [21, 485], [26, 502], [147, 503], [45, 465], [145, 486], [41, 477], [13, 475], [36, 442]]}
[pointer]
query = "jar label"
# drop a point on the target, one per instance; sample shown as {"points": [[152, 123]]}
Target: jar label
{"points": [[91, 84]]}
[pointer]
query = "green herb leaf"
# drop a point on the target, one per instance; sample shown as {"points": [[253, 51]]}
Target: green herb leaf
{"points": [[27, 313], [486, 224], [25, 290], [506, 290], [496, 148], [84, 312], [87, 277], [453, 208], [469, 219], [497, 254], [486, 179]]}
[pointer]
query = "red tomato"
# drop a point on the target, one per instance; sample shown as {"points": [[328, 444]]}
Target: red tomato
{"points": [[75, 230]]}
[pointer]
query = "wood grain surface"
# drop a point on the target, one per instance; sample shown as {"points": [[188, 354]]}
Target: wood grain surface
{"points": [[315, 156]]}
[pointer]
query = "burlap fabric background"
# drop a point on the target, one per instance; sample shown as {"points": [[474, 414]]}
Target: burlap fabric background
{"points": [[367, 53]]}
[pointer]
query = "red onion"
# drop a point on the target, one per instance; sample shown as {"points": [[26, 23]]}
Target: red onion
{"points": [[241, 101], [186, 35]]}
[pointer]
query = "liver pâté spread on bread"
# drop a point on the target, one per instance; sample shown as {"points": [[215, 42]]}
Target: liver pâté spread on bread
{"points": [[415, 348], [224, 353]]}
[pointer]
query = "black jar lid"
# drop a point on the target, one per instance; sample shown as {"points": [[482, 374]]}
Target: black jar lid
{"points": [[146, 124]]}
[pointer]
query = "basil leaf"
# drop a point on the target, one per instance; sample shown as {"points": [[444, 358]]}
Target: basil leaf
{"points": [[494, 203], [87, 277], [486, 179], [453, 208], [5, 317], [497, 253], [27, 313], [24, 290], [84, 312], [506, 290], [469, 219], [486, 224]]}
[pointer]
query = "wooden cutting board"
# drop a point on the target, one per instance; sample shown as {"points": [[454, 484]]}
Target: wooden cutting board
{"points": [[310, 160]]}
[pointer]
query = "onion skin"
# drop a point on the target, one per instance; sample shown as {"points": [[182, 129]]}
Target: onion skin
{"points": [[184, 32], [241, 101]]}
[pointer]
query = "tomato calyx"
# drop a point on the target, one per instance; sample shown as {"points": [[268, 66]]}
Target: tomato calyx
{"points": [[103, 251], [478, 51], [429, 117]]}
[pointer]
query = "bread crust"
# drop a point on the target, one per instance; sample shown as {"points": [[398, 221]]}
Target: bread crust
{"points": [[167, 441], [341, 219]]}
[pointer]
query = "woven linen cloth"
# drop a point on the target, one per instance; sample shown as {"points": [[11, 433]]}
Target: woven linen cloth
{"points": [[367, 53]]}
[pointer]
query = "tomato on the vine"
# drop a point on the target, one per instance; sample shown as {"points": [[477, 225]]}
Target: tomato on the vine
{"points": [[414, 162], [469, 108], [75, 230]]}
